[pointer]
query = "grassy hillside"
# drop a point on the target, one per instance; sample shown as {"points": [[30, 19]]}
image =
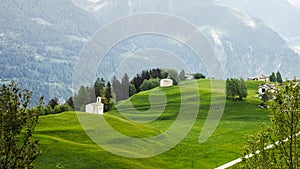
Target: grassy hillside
{"points": [[65, 143]]}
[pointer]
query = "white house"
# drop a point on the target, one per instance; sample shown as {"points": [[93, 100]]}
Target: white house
{"points": [[166, 82], [266, 87], [262, 77], [188, 76], [95, 108]]}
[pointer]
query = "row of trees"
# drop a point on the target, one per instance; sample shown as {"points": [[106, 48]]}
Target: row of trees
{"points": [[53, 106], [138, 80], [123, 89], [276, 78], [236, 89], [86, 95], [146, 80]]}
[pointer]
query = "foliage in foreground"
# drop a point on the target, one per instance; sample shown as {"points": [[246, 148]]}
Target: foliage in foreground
{"points": [[283, 135], [17, 147]]}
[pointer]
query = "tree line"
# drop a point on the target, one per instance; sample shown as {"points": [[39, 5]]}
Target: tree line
{"points": [[117, 90], [88, 94], [276, 78], [236, 89], [146, 80]]}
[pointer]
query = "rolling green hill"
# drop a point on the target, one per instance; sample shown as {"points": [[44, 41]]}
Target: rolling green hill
{"points": [[65, 143]]}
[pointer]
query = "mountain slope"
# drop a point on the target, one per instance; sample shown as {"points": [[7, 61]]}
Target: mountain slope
{"points": [[70, 147], [41, 40], [246, 45], [39, 43], [280, 15]]}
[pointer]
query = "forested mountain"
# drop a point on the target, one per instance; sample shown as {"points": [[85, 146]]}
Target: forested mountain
{"points": [[41, 40]]}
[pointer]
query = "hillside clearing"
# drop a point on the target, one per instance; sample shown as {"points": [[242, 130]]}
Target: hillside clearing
{"points": [[65, 143]]}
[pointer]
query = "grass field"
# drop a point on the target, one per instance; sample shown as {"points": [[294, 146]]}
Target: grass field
{"points": [[65, 143]]}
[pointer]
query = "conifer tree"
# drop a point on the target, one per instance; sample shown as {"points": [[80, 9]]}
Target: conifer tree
{"points": [[273, 77], [278, 77], [125, 87]]}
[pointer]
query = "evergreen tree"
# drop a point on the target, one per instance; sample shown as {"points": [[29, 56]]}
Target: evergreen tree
{"points": [[91, 94], [154, 73], [108, 92], [243, 93], [137, 81], [117, 88], [125, 87], [53, 102], [99, 87], [82, 98], [279, 78], [70, 102], [108, 97], [273, 77], [182, 75], [159, 73], [235, 87], [228, 88], [145, 75]]}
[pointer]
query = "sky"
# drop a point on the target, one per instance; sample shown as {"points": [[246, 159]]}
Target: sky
{"points": [[295, 2]]}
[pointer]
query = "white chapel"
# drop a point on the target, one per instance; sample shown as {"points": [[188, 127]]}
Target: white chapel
{"points": [[95, 108], [166, 82]]}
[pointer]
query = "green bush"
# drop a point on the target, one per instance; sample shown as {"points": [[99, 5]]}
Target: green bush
{"points": [[149, 84], [57, 109], [199, 76], [132, 90]]}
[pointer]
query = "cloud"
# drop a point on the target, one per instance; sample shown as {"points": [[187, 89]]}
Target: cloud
{"points": [[294, 2]]}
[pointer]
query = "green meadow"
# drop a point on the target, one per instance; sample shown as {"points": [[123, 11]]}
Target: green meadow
{"points": [[65, 144]]}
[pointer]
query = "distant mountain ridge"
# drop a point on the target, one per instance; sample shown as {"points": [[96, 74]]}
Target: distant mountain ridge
{"points": [[40, 40], [280, 15], [248, 44]]}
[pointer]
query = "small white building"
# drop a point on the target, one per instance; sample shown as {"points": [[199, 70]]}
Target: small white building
{"points": [[189, 77], [166, 82], [262, 77], [266, 87], [95, 108]]}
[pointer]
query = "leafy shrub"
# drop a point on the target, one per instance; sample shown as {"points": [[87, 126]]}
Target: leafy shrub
{"points": [[149, 84], [199, 76]]}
